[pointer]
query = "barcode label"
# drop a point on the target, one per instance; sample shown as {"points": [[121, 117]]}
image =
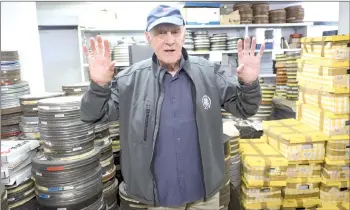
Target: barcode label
{"points": [[307, 146], [304, 187]]}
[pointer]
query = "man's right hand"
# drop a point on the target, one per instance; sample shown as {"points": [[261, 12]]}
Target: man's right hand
{"points": [[100, 66]]}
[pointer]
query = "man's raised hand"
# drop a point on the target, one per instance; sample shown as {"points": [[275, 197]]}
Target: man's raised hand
{"points": [[249, 63], [100, 66]]}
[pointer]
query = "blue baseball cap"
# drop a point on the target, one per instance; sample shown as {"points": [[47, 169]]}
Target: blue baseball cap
{"points": [[164, 14]]}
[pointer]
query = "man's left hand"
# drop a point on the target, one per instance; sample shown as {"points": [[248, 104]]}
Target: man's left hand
{"points": [[249, 63]]}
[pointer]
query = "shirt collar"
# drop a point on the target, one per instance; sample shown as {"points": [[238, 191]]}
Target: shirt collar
{"points": [[184, 63]]}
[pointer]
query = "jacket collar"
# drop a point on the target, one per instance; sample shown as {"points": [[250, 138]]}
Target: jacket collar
{"points": [[184, 63]]}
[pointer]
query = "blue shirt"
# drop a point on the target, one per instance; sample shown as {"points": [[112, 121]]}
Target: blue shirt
{"points": [[177, 161]]}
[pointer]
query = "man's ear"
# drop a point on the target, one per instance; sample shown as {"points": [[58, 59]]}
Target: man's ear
{"points": [[148, 37]]}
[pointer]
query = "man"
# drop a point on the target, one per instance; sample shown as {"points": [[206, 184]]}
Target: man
{"points": [[169, 110]]}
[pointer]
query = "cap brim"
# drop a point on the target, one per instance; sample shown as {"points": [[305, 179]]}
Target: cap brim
{"points": [[172, 20]]}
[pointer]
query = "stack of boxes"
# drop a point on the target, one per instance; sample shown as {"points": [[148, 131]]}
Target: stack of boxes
{"points": [[281, 75], [323, 76], [264, 175], [304, 149]]}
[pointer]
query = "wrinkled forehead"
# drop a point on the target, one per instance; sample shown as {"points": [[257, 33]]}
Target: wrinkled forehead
{"points": [[166, 27]]}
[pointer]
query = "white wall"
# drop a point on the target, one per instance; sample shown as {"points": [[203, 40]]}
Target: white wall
{"points": [[132, 15], [19, 32], [344, 17]]}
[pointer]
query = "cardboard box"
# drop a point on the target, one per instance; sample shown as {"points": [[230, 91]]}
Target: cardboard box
{"points": [[295, 140], [332, 47], [201, 16], [230, 19], [263, 166]]}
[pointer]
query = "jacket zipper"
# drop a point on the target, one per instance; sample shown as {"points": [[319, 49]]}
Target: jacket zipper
{"points": [[146, 123], [199, 144], [160, 90]]}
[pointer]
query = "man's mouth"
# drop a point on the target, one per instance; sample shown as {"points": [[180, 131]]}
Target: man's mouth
{"points": [[169, 50]]}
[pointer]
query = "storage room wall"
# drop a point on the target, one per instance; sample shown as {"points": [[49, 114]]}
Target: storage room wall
{"points": [[19, 32], [129, 16]]}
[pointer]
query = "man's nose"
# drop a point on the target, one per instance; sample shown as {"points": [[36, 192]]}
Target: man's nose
{"points": [[169, 38]]}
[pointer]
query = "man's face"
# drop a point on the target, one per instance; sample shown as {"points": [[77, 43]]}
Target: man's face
{"points": [[167, 40]]}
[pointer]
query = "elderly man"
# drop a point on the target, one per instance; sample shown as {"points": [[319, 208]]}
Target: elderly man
{"points": [[169, 110]]}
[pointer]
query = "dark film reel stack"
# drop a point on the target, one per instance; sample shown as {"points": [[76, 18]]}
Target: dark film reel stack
{"points": [[114, 136], [261, 13], [75, 89], [3, 198], [110, 183], [224, 195], [245, 12], [29, 122], [12, 87], [22, 196], [68, 174]]}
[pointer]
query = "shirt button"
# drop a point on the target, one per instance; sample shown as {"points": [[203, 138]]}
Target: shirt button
{"points": [[178, 139]]}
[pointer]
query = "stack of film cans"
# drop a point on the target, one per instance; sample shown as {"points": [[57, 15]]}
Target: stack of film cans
{"points": [[3, 194], [12, 87], [218, 42], [245, 12], [224, 194], [75, 89], [115, 138], [232, 134], [110, 183], [29, 123], [68, 173], [189, 43], [278, 16], [16, 158], [201, 41], [261, 13]]}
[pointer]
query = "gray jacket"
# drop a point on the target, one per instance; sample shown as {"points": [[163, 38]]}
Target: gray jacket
{"points": [[134, 98]]}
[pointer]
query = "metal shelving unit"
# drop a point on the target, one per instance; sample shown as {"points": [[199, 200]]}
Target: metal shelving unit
{"points": [[246, 28], [202, 27]]}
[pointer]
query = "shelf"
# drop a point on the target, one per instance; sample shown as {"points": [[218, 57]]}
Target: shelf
{"points": [[291, 50], [235, 51], [270, 25], [267, 75], [279, 25], [223, 52], [97, 29], [215, 26]]}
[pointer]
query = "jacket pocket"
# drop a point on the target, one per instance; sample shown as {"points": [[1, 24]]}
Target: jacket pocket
{"points": [[140, 122]]}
